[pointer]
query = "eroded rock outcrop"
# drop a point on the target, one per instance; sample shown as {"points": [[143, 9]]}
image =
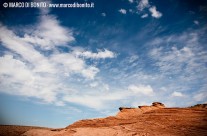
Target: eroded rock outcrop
{"points": [[158, 104], [126, 112], [200, 106]]}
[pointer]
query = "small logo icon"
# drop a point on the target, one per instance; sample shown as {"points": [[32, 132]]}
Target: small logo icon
{"points": [[5, 5]]}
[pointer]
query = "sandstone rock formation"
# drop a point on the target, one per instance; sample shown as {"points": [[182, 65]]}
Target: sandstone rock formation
{"points": [[131, 112], [154, 120], [158, 104], [200, 106]]}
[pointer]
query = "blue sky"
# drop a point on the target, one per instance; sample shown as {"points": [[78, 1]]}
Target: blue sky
{"points": [[59, 65]]}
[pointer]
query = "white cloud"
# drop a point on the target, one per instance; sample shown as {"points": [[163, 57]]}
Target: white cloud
{"points": [[56, 63], [155, 13], [25, 50], [144, 16], [90, 72], [103, 14], [177, 94], [68, 63], [48, 34], [123, 11], [131, 1], [143, 4], [19, 79], [141, 89], [27, 71], [15, 68], [99, 55]]}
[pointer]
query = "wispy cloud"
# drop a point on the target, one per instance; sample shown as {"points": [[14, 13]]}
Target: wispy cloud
{"points": [[133, 58], [93, 84], [189, 58], [103, 14], [196, 22], [97, 100], [184, 63], [177, 94], [141, 89], [99, 55], [144, 16]]}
